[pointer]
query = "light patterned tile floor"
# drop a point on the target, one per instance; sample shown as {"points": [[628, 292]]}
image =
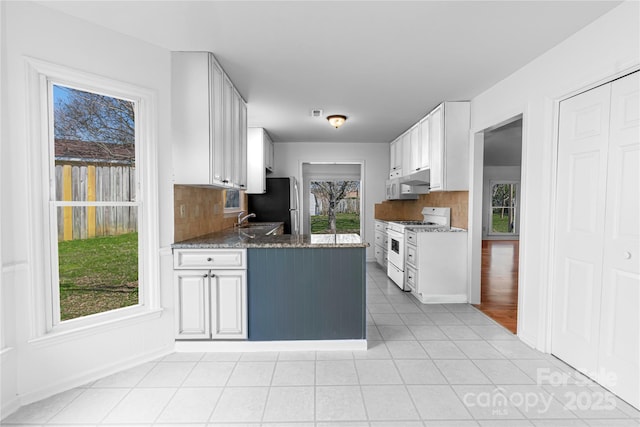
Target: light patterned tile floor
{"points": [[427, 366]]}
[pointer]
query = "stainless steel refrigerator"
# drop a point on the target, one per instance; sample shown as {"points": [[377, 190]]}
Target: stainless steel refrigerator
{"points": [[279, 203]]}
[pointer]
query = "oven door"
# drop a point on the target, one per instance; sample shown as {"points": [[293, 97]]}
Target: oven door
{"points": [[395, 249]]}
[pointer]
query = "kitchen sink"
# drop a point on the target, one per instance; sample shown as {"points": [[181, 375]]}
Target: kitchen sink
{"points": [[265, 228]]}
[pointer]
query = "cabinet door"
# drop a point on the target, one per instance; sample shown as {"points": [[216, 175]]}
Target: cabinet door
{"points": [[395, 157], [217, 122], [256, 145], [424, 143], [229, 304], [414, 147], [436, 145], [192, 304], [268, 149], [243, 144], [227, 130], [406, 154]]}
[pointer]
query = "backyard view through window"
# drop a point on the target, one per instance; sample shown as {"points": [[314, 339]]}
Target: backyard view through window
{"points": [[335, 207], [504, 198], [96, 209]]}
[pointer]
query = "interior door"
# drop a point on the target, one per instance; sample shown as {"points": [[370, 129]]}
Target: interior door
{"points": [[620, 324], [582, 167], [596, 325]]}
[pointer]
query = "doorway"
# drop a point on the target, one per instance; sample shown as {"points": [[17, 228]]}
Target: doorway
{"points": [[501, 195], [332, 198]]}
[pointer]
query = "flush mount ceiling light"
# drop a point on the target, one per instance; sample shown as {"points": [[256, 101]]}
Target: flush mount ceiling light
{"points": [[336, 120]]}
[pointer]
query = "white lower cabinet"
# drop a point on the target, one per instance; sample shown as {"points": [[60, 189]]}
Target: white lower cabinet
{"points": [[380, 247], [211, 303]]}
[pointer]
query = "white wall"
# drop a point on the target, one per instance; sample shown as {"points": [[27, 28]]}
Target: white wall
{"points": [[43, 367], [605, 48], [289, 157], [496, 173]]}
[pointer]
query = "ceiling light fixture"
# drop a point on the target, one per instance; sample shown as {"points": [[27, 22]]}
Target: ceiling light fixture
{"points": [[336, 120]]}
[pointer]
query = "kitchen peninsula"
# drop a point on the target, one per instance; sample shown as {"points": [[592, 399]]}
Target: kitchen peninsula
{"points": [[275, 287]]}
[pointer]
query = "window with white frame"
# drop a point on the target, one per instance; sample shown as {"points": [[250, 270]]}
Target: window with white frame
{"points": [[100, 260]]}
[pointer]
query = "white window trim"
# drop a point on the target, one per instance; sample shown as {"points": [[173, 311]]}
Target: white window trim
{"points": [[42, 234]]}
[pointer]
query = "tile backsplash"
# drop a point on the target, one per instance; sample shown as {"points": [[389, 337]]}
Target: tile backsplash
{"points": [[198, 211], [458, 201]]}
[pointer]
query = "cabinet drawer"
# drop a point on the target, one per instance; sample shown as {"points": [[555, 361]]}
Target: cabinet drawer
{"points": [[412, 238], [412, 255], [381, 226], [412, 278], [210, 258], [381, 238]]}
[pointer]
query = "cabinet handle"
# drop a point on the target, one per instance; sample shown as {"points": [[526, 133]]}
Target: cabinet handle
{"points": [[225, 181], [627, 255], [205, 275], [242, 185], [417, 169], [209, 259], [212, 275]]}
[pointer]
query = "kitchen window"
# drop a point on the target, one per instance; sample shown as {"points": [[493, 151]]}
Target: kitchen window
{"points": [[232, 200], [99, 258]]}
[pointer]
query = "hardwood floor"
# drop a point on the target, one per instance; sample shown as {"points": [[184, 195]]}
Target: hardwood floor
{"points": [[499, 282]]}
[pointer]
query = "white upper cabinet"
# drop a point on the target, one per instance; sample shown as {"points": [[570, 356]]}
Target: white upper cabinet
{"points": [[209, 123], [439, 142], [415, 161], [395, 159], [406, 153], [259, 160], [449, 147], [424, 143]]}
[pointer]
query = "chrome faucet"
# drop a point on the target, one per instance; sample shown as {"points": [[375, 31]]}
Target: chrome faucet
{"points": [[242, 219]]}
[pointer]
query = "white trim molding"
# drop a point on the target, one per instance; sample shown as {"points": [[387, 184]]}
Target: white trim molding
{"points": [[255, 346], [40, 75]]}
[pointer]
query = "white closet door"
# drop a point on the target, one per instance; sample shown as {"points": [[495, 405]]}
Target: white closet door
{"points": [[582, 178], [620, 313]]}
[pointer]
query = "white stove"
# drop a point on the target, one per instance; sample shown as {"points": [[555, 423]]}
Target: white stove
{"points": [[433, 218]]}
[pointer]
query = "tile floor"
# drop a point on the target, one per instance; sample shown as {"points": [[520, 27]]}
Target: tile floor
{"points": [[427, 365]]}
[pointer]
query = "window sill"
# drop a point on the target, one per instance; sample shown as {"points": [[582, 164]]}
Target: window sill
{"points": [[56, 337]]}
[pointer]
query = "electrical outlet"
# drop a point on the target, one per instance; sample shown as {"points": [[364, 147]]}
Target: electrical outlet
{"points": [[183, 211]]}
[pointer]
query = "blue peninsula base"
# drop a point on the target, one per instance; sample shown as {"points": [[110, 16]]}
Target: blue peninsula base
{"points": [[306, 294]]}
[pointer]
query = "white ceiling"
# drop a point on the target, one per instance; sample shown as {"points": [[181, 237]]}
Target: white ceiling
{"points": [[384, 64]]}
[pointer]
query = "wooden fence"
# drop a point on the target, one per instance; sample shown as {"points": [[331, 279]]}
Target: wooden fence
{"points": [[95, 183]]}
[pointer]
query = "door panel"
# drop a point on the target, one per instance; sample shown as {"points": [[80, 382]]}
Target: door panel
{"points": [[228, 298], [192, 304], [578, 300], [582, 160], [620, 334]]}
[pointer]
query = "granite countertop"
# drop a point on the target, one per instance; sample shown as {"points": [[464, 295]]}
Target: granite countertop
{"points": [[256, 237], [437, 230]]}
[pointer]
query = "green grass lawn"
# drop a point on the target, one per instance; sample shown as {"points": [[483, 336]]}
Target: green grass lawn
{"points": [[500, 225], [97, 274], [345, 223]]}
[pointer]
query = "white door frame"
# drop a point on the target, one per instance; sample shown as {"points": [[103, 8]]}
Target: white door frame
{"points": [[304, 201], [476, 201]]}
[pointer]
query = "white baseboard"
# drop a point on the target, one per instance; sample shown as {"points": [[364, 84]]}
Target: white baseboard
{"points": [[9, 401], [9, 407], [89, 376], [440, 299], [254, 346]]}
